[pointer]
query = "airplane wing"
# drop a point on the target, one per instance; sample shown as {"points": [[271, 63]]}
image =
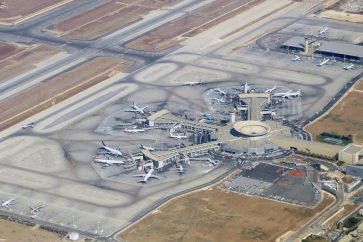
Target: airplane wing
{"points": [[131, 110], [139, 175], [153, 176]]}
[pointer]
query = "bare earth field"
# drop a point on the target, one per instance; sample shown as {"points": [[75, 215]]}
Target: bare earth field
{"points": [[200, 20], [107, 18], [14, 232], [14, 10], [17, 59], [342, 16], [45, 94], [346, 118], [219, 215]]}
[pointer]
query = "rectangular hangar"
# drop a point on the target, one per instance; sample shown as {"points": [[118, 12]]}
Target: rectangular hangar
{"points": [[330, 48]]}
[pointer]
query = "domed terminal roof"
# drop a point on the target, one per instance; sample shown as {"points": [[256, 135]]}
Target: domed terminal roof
{"points": [[251, 128]]}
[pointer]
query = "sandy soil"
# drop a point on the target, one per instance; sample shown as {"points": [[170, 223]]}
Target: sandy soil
{"points": [[16, 9], [203, 18], [107, 18], [14, 232], [342, 16], [17, 59], [346, 118], [45, 94], [219, 215], [348, 208]]}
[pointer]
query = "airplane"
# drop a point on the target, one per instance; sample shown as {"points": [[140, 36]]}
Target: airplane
{"points": [[134, 130], [296, 58], [29, 125], [137, 109], [177, 136], [146, 176], [146, 147], [269, 90], [349, 67], [35, 210], [246, 88], [207, 116], [323, 31], [221, 92], [325, 61], [109, 162], [8, 203], [213, 162], [193, 83], [289, 94], [111, 150], [180, 169], [217, 100]]}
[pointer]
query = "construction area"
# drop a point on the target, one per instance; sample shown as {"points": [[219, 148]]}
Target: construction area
{"points": [[215, 215]]}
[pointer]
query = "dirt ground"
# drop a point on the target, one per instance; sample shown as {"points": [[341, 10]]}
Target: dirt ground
{"points": [[200, 20], [17, 59], [342, 16], [107, 18], [348, 208], [219, 215], [14, 232], [346, 118], [45, 94], [16, 9]]}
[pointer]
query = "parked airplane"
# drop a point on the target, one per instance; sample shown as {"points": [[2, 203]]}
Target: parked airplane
{"points": [[323, 31], [218, 100], [177, 136], [289, 94], [213, 162], [137, 109], [269, 90], [296, 58], [146, 147], [109, 162], [8, 203], [325, 61], [35, 210], [134, 130], [221, 92], [193, 83], [180, 169], [349, 67], [146, 176], [111, 150], [29, 125]]}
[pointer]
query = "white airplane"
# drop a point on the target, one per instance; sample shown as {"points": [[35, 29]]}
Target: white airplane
{"points": [[111, 150], [29, 125], [180, 169], [109, 162], [221, 92], [246, 88], [325, 61], [269, 90], [177, 136], [134, 130], [193, 83], [218, 100], [323, 31], [8, 203], [289, 94], [213, 162], [137, 109], [146, 147], [146, 176], [349, 67], [35, 210], [296, 58]]}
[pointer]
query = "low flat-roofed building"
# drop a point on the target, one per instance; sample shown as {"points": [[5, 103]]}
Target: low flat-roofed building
{"points": [[351, 154], [332, 48]]}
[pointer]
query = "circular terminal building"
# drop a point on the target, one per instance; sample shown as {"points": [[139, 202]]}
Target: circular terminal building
{"points": [[251, 128]]}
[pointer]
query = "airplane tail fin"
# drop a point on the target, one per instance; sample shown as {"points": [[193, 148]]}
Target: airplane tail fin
{"points": [[103, 143]]}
